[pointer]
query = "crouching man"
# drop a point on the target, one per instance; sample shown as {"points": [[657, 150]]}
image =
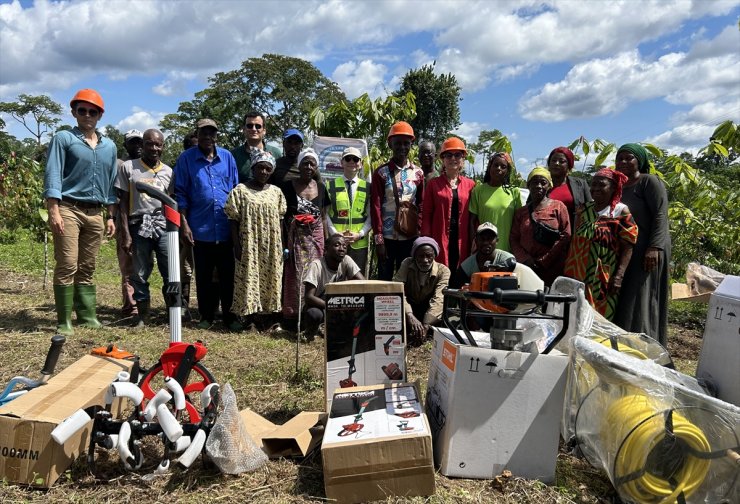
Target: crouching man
{"points": [[423, 279], [487, 257], [334, 266], [143, 223]]}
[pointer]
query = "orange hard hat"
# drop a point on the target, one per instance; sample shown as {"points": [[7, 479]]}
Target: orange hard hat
{"points": [[90, 96], [453, 144], [402, 128]]}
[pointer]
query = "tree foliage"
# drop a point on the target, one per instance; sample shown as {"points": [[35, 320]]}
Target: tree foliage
{"points": [[286, 89], [490, 142], [437, 102], [364, 118], [21, 185], [38, 114]]}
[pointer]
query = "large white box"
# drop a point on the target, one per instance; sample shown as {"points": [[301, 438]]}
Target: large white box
{"points": [[719, 360], [491, 410]]}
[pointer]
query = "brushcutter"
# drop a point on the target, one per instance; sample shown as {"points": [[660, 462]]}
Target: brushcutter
{"points": [[52, 356]]}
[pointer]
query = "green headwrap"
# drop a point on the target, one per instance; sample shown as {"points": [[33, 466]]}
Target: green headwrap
{"points": [[542, 172], [640, 153]]}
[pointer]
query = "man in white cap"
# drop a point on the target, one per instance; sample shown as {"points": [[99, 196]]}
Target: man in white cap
{"points": [[349, 213], [133, 142], [486, 258]]}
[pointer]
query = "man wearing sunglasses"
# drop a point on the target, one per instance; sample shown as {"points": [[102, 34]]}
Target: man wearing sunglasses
{"points": [[80, 171], [349, 213], [254, 138]]}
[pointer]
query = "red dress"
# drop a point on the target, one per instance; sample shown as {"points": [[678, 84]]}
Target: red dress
{"points": [[436, 216]]}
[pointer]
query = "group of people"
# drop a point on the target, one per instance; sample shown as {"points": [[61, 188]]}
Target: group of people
{"points": [[264, 234]]}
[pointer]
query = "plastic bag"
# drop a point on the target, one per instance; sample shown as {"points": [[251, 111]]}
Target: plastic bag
{"points": [[702, 279], [229, 444]]}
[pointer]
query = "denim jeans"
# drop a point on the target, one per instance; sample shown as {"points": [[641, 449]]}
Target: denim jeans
{"points": [[144, 261]]}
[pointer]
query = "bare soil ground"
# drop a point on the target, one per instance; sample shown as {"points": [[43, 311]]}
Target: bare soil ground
{"points": [[261, 369]]}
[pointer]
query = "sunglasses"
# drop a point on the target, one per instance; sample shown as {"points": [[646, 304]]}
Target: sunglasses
{"points": [[456, 155], [253, 126], [352, 159], [87, 112]]}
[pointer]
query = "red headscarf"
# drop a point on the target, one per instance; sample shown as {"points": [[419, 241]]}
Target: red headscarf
{"points": [[565, 152], [618, 178]]}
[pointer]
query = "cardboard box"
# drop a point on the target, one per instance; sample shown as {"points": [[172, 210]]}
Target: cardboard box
{"points": [[682, 292], [377, 444], [719, 360], [295, 438], [492, 410], [28, 455], [365, 327]]}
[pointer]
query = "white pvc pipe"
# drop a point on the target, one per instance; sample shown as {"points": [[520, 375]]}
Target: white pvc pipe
{"points": [[170, 426], [124, 435], [182, 444], [208, 394], [123, 376], [113, 442], [187, 458], [70, 426], [161, 397], [162, 468], [177, 392], [127, 390]]}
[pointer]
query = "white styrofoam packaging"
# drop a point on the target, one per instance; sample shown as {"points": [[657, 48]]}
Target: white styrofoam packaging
{"points": [[491, 410], [720, 349]]}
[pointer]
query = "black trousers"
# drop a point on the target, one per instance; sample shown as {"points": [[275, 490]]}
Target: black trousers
{"points": [[396, 251], [210, 256]]}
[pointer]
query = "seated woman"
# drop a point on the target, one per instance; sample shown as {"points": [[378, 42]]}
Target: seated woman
{"points": [[335, 266], [540, 235], [602, 245], [423, 280]]}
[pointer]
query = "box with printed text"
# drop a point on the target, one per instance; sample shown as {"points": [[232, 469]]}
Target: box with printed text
{"points": [[365, 335]]}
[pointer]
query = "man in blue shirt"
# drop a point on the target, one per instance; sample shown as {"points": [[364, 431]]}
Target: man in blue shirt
{"points": [[78, 183], [203, 179]]}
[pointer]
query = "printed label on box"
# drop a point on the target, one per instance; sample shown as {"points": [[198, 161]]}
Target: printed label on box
{"points": [[388, 313], [449, 353], [388, 345]]}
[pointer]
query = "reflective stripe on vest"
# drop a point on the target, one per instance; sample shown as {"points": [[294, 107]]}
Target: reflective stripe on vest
{"points": [[342, 216]]}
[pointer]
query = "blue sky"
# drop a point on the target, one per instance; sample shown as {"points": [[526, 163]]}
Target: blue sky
{"points": [[543, 72]]}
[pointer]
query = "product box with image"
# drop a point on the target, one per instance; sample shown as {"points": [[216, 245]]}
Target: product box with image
{"points": [[491, 410], [365, 335], [377, 444]]}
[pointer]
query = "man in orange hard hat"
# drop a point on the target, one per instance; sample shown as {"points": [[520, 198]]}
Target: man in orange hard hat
{"points": [[80, 171], [395, 202]]}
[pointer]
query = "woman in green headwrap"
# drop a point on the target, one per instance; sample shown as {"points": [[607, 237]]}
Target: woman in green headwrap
{"points": [[643, 299], [542, 250]]}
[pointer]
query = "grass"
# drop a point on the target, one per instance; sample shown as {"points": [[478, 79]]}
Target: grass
{"points": [[261, 369]]}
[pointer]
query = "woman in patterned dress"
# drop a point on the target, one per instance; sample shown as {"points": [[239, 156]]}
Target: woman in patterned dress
{"points": [[304, 229], [602, 245], [255, 212]]}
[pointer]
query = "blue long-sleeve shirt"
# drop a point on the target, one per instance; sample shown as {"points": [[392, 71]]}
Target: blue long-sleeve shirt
{"points": [[201, 188], [76, 170]]}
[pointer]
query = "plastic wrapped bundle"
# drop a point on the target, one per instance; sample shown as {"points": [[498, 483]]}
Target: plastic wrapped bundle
{"points": [[652, 429], [229, 444]]}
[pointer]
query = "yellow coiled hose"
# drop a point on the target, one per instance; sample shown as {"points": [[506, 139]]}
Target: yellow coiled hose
{"points": [[633, 427]]}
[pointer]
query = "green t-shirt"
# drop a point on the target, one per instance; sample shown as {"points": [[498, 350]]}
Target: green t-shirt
{"points": [[496, 205], [243, 160]]}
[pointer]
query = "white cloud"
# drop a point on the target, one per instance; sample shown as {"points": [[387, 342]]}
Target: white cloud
{"points": [[608, 85], [140, 119], [469, 131], [684, 138], [363, 77]]}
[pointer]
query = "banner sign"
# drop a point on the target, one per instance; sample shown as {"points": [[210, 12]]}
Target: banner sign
{"points": [[330, 151]]}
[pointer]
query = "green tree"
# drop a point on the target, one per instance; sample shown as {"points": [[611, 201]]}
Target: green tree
{"points": [[286, 89], [364, 118], [490, 142], [117, 137], [38, 114], [437, 102]]}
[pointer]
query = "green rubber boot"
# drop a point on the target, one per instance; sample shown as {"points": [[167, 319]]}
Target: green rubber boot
{"points": [[63, 295], [84, 301]]}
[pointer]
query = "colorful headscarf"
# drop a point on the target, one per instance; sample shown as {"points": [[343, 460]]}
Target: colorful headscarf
{"points": [[640, 153], [258, 156], [308, 153], [567, 153], [618, 178], [506, 156], [425, 240], [540, 171]]}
